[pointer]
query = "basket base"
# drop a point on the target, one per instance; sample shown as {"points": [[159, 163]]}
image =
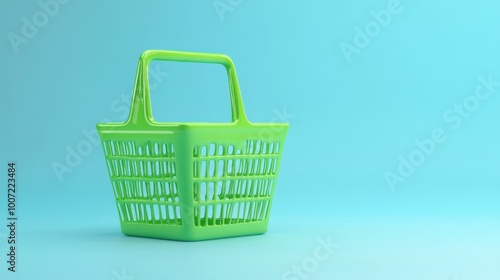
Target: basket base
{"points": [[183, 233]]}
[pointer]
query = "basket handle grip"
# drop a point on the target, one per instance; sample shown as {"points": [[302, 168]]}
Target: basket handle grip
{"points": [[140, 109]]}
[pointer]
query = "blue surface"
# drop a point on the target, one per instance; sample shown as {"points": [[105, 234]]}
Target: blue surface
{"points": [[392, 154]]}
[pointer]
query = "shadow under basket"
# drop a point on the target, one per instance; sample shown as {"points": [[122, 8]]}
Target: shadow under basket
{"points": [[191, 181]]}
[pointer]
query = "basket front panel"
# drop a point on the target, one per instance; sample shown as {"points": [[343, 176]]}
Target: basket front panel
{"points": [[234, 183]]}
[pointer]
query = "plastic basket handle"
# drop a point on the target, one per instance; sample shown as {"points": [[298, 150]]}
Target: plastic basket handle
{"points": [[140, 109]]}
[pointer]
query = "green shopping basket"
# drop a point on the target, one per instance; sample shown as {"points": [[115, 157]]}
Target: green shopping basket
{"points": [[191, 181]]}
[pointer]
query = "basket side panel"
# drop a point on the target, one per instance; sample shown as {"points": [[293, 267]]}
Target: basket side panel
{"points": [[144, 177]]}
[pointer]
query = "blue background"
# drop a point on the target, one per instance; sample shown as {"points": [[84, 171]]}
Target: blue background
{"points": [[352, 117]]}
